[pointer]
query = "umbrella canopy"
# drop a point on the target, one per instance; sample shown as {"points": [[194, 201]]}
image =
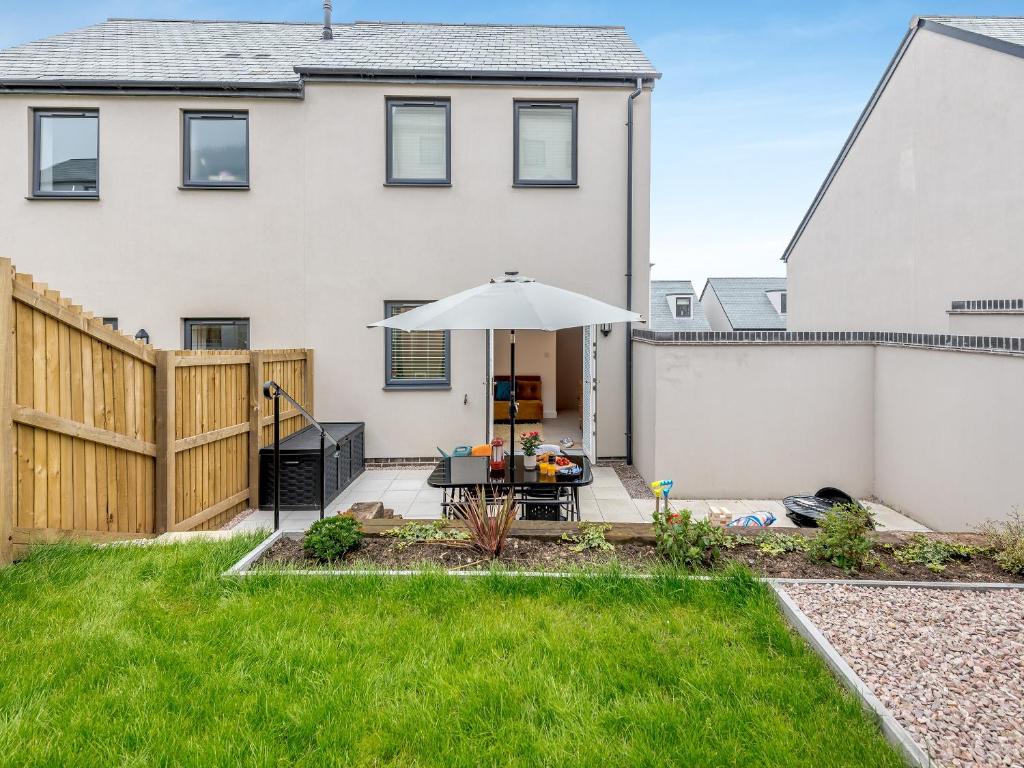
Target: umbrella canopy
{"points": [[510, 302]]}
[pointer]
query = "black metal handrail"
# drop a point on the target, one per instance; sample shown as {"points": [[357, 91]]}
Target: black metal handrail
{"points": [[273, 391]]}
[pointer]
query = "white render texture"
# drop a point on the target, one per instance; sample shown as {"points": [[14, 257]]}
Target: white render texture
{"points": [[927, 207], [934, 434], [314, 248]]}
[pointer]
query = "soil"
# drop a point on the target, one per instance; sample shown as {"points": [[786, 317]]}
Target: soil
{"points": [[796, 565], [526, 554]]}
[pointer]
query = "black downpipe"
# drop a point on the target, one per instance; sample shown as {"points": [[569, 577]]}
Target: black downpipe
{"points": [[629, 267]]}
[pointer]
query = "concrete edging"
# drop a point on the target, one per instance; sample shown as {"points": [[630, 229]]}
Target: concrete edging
{"points": [[894, 733]]}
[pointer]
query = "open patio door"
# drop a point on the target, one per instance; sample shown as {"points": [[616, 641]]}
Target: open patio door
{"points": [[489, 385], [590, 392]]}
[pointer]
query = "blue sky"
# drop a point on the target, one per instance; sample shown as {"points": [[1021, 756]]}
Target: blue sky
{"points": [[756, 98]]}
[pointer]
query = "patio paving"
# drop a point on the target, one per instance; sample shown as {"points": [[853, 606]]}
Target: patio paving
{"points": [[407, 493]]}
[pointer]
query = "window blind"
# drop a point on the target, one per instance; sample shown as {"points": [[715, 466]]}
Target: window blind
{"points": [[545, 143], [419, 142], [417, 356]]}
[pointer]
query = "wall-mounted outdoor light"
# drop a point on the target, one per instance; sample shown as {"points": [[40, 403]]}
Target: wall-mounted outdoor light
{"points": [[142, 335], [606, 328]]}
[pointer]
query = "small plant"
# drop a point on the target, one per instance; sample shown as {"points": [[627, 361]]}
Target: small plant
{"points": [[843, 537], [488, 524], [1007, 541], [687, 543], [530, 442], [589, 536], [425, 533], [329, 539], [774, 544], [932, 554]]}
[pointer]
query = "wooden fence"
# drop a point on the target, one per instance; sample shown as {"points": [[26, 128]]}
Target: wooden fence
{"points": [[106, 438]]}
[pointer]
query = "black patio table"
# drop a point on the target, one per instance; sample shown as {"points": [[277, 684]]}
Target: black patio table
{"points": [[457, 475]]}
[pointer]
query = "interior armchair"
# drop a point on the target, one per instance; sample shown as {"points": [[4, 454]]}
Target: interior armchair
{"points": [[528, 398]]}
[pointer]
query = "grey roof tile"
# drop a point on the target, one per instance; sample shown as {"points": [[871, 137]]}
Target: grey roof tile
{"points": [[746, 303], [267, 54], [1009, 29], [663, 312]]}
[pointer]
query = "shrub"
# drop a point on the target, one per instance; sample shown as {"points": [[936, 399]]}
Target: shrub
{"points": [[425, 533], [1007, 539], [688, 543], [488, 524], [932, 554], [329, 539], [589, 536], [843, 537], [774, 544]]}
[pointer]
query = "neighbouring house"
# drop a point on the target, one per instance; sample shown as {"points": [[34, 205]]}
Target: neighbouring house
{"points": [[918, 224], [226, 184], [745, 303], [674, 307]]}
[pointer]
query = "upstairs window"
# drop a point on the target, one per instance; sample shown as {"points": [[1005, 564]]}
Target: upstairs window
{"points": [[66, 154], [415, 358], [782, 302], [418, 142], [216, 149], [544, 137], [684, 306], [217, 333]]}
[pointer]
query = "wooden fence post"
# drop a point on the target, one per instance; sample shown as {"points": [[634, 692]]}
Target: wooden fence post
{"points": [[255, 410], [165, 434], [309, 383], [7, 442]]}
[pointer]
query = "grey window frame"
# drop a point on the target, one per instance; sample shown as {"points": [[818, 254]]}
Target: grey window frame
{"points": [[390, 179], [783, 302], [188, 322], [422, 384], [689, 304], [517, 106], [110, 321], [37, 115], [187, 115]]}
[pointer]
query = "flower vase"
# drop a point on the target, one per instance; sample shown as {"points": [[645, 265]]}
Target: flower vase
{"points": [[530, 462]]}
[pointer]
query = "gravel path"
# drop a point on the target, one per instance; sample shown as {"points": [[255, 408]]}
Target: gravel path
{"points": [[948, 664]]}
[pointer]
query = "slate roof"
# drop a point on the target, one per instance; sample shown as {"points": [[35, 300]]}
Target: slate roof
{"points": [[75, 169], [144, 52], [1009, 29], [746, 303], [662, 317]]}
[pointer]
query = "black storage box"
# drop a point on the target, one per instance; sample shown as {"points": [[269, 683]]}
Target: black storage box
{"points": [[300, 466]]}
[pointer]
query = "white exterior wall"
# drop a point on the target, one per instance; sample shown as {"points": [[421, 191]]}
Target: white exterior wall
{"points": [[986, 323], [935, 434], [314, 248], [928, 206], [756, 421], [949, 432]]}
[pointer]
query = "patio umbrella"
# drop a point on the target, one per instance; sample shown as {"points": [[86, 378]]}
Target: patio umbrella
{"points": [[510, 303]]}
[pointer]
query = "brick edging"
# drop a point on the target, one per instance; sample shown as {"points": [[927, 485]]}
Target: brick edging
{"points": [[1004, 345]]}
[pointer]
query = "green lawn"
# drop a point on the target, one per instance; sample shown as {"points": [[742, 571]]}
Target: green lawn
{"points": [[140, 657]]}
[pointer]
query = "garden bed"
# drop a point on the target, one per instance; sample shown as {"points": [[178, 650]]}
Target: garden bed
{"points": [[540, 548]]}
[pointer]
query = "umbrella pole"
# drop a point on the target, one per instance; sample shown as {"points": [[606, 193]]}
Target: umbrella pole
{"points": [[512, 407]]}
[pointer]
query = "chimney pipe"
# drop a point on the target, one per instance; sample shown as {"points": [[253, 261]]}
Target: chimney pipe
{"points": [[328, 32]]}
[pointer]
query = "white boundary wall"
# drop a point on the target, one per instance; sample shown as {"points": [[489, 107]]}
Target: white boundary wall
{"points": [[934, 433]]}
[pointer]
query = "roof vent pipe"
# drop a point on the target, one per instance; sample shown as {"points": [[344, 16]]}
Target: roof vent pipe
{"points": [[328, 32]]}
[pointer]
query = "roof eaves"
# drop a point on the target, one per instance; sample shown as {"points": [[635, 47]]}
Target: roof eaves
{"points": [[915, 24], [935, 24], [177, 86], [471, 74]]}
